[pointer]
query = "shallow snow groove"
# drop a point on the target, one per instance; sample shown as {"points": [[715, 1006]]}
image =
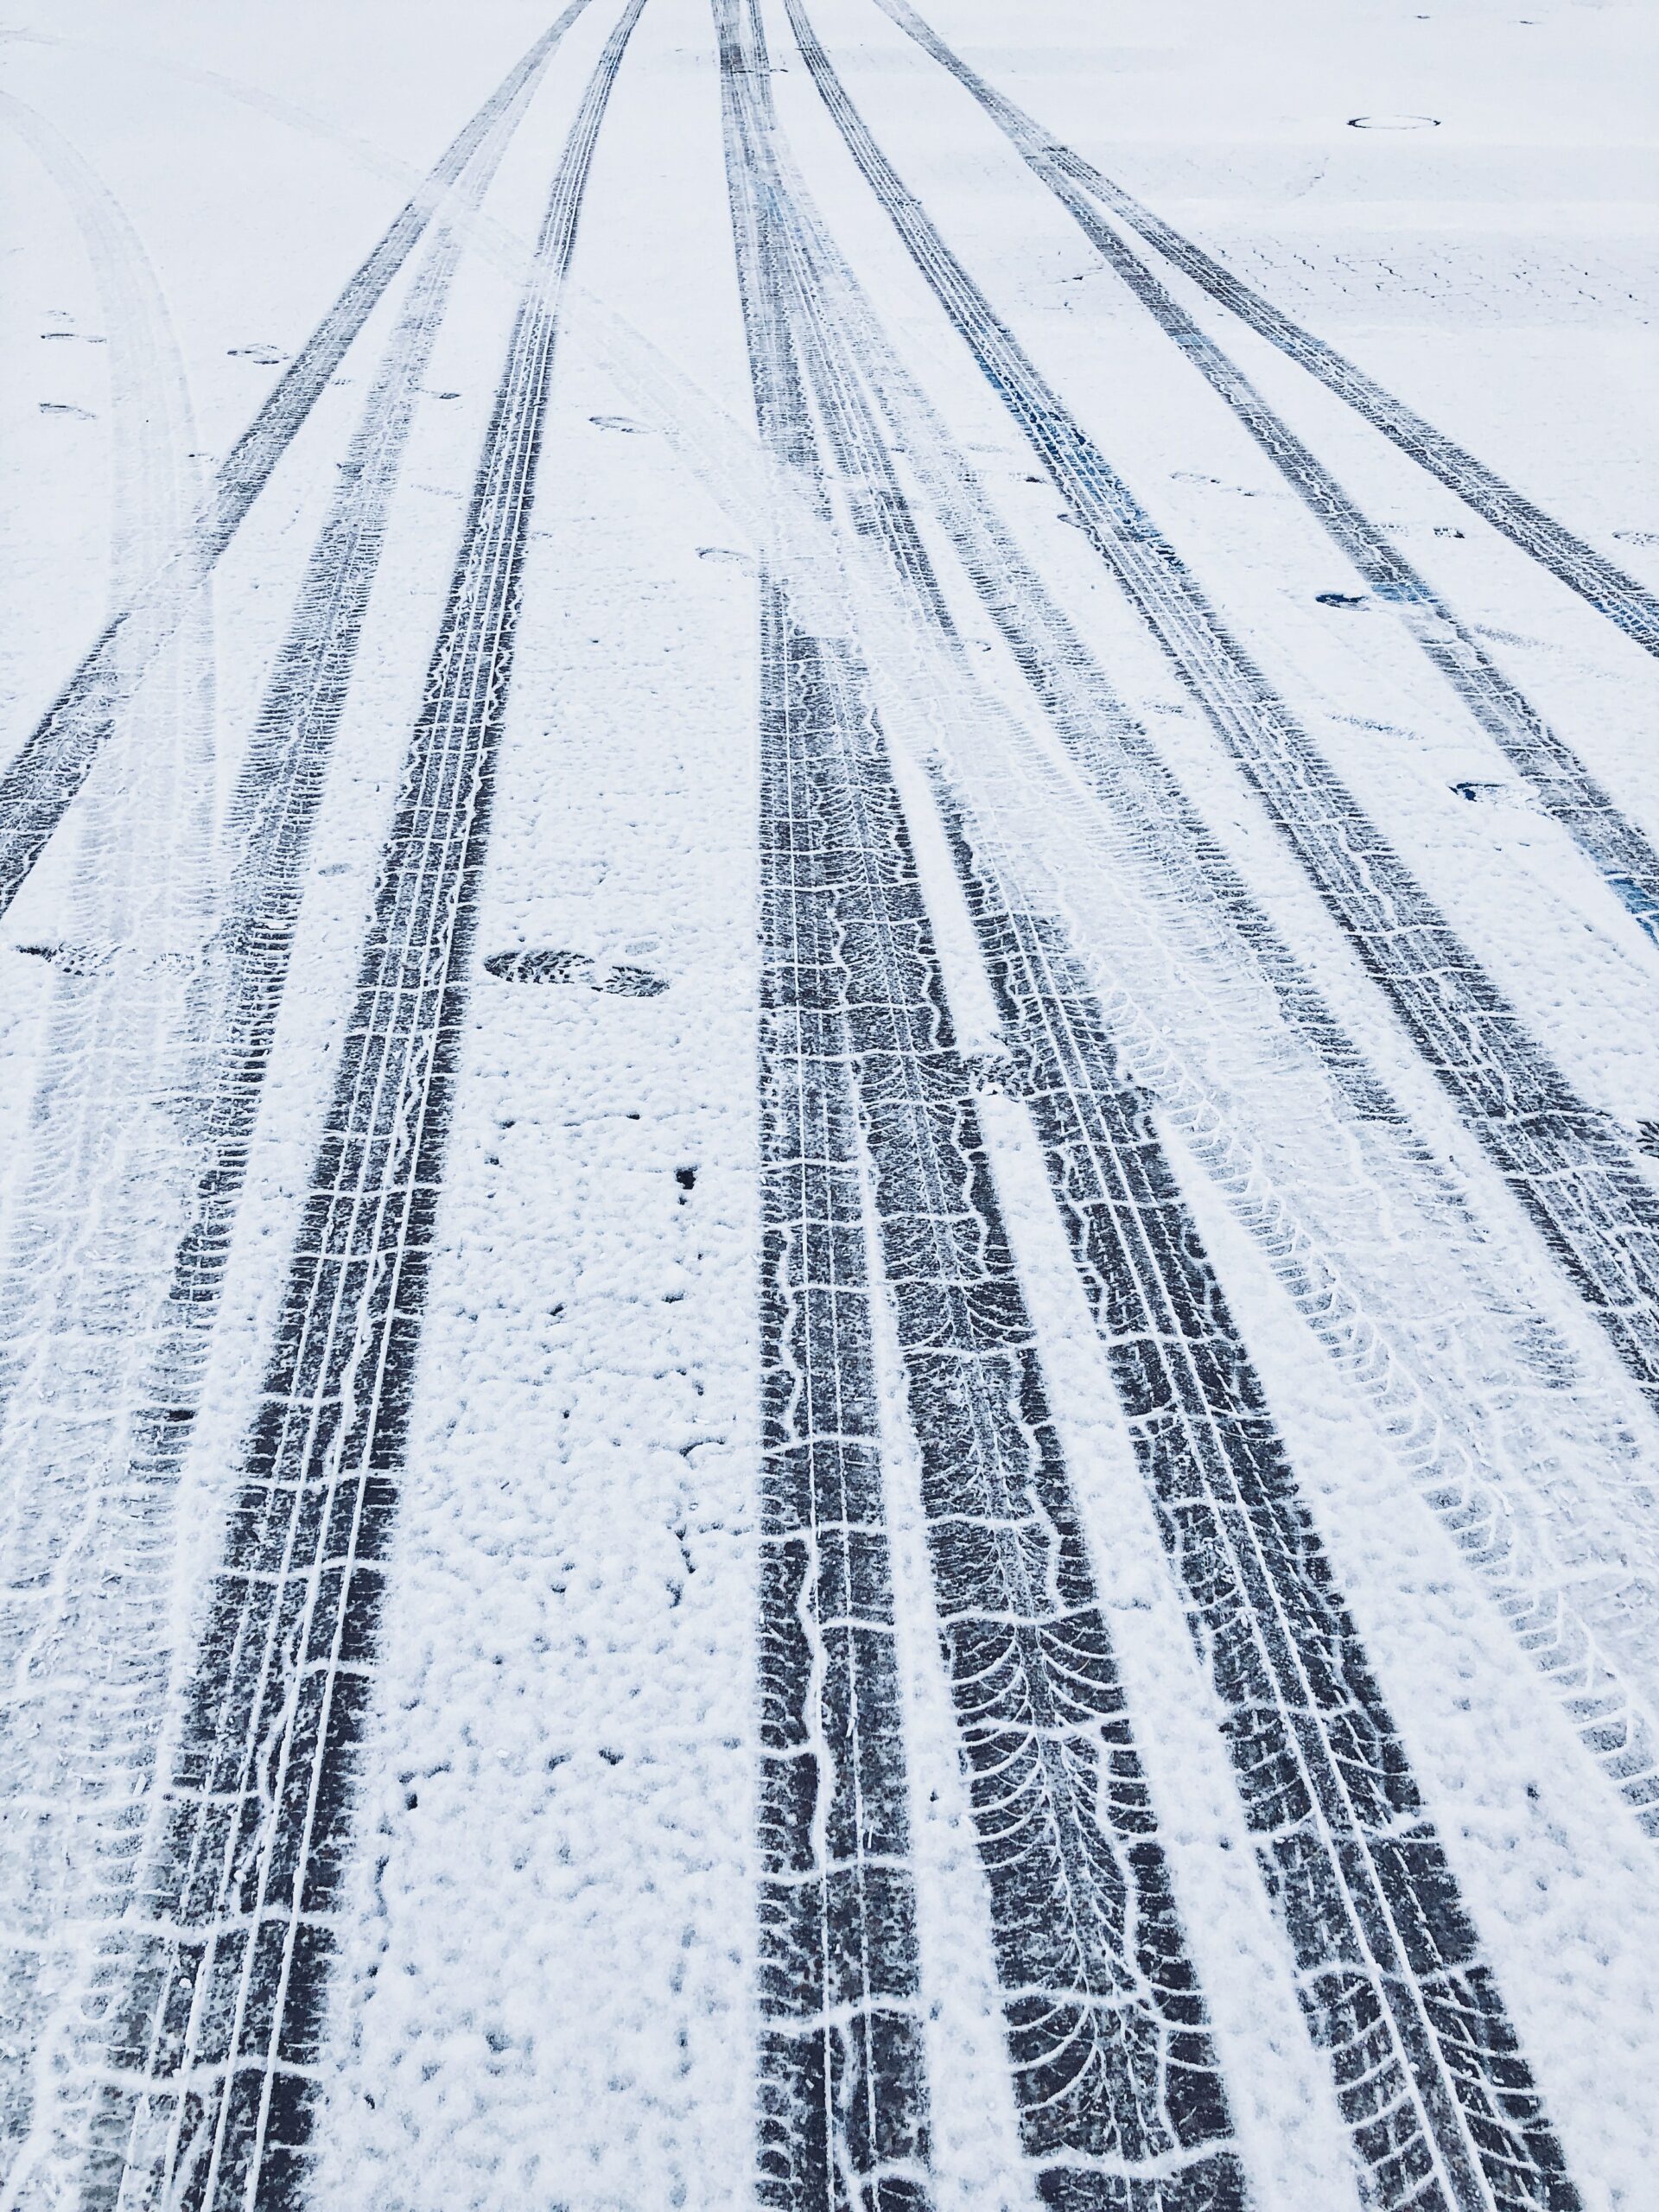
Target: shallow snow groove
{"points": [[1567, 1164], [85, 1538], [220, 1991]]}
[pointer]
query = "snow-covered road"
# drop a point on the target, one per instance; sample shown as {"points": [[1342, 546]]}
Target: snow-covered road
{"points": [[829, 1017]]}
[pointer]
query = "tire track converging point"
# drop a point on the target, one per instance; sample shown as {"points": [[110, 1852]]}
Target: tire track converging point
{"points": [[219, 1981]]}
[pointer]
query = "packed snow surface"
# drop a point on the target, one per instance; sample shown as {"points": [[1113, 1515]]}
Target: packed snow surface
{"points": [[829, 1007]]}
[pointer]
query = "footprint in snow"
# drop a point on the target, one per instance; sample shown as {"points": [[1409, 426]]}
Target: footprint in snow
{"points": [[617, 422], [62, 407], [617, 981]]}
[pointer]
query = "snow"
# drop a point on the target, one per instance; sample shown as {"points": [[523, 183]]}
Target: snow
{"points": [[537, 1865]]}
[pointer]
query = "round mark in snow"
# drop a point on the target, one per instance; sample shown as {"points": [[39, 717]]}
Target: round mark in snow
{"points": [[1394, 123]]}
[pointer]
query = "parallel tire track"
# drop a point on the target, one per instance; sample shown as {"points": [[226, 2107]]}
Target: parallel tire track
{"points": [[272, 815], [1564, 1162], [54, 760], [1430, 2078], [1624, 601], [1459, 1439], [222, 2029], [1460, 1442], [227, 1021], [1570, 794], [1115, 2083], [1440, 2102]]}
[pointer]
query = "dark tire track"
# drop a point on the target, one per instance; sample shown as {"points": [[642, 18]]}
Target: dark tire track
{"points": [[1624, 601], [1615, 847], [841, 2086], [1115, 2083], [1430, 2078], [224, 2024], [273, 812], [41, 782], [1440, 2104], [842, 2089], [1458, 1441], [1567, 1164]]}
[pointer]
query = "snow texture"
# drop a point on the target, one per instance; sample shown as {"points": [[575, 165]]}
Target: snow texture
{"points": [[829, 1228]]}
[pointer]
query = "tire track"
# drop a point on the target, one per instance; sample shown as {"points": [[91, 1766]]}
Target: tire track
{"points": [[221, 1987], [54, 760], [1519, 1452], [1440, 2104], [84, 1554], [1614, 846], [1530, 1456], [1621, 597], [1564, 1162], [1430, 2077], [1115, 2077], [842, 2089], [842, 2086], [225, 1002], [1533, 1486]]}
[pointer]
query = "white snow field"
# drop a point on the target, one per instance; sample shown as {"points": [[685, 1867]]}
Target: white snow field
{"points": [[830, 1010]]}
